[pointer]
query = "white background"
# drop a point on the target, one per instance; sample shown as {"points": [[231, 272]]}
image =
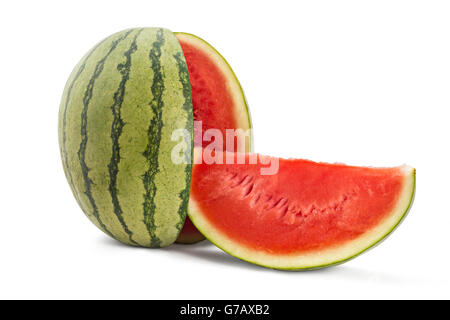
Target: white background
{"points": [[359, 82]]}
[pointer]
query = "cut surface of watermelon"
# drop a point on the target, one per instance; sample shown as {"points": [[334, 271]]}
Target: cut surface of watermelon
{"points": [[218, 102], [307, 215]]}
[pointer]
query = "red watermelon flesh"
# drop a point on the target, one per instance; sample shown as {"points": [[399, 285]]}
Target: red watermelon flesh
{"points": [[218, 100], [308, 215]]}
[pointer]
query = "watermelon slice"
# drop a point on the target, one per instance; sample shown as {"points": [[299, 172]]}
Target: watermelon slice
{"points": [[307, 215], [218, 101]]}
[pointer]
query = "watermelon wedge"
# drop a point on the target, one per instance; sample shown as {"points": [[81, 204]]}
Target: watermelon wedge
{"points": [[218, 102], [307, 215]]}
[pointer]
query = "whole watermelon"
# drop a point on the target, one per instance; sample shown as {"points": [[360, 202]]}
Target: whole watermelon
{"points": [[119, 108]]}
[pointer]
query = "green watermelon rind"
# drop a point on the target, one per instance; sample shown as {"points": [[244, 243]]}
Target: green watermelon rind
{"points": [[192, 211], [123, 101]]}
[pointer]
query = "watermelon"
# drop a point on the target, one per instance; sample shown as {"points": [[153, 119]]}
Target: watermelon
{"points": [[119, 109], [296, 214], [218, 102]]}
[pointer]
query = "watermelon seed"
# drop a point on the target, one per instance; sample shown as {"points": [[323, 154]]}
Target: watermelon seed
{"points": [[248, 189]]}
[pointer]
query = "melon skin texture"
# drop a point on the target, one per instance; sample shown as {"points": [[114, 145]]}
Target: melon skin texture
{"points": [[218, 101], [308, 216], [118, 111]]}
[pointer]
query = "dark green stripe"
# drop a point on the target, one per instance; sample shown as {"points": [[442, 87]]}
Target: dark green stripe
{"points": [[187, 106], [154, 139], [66, 107], [84, 136], [116, 131]]}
